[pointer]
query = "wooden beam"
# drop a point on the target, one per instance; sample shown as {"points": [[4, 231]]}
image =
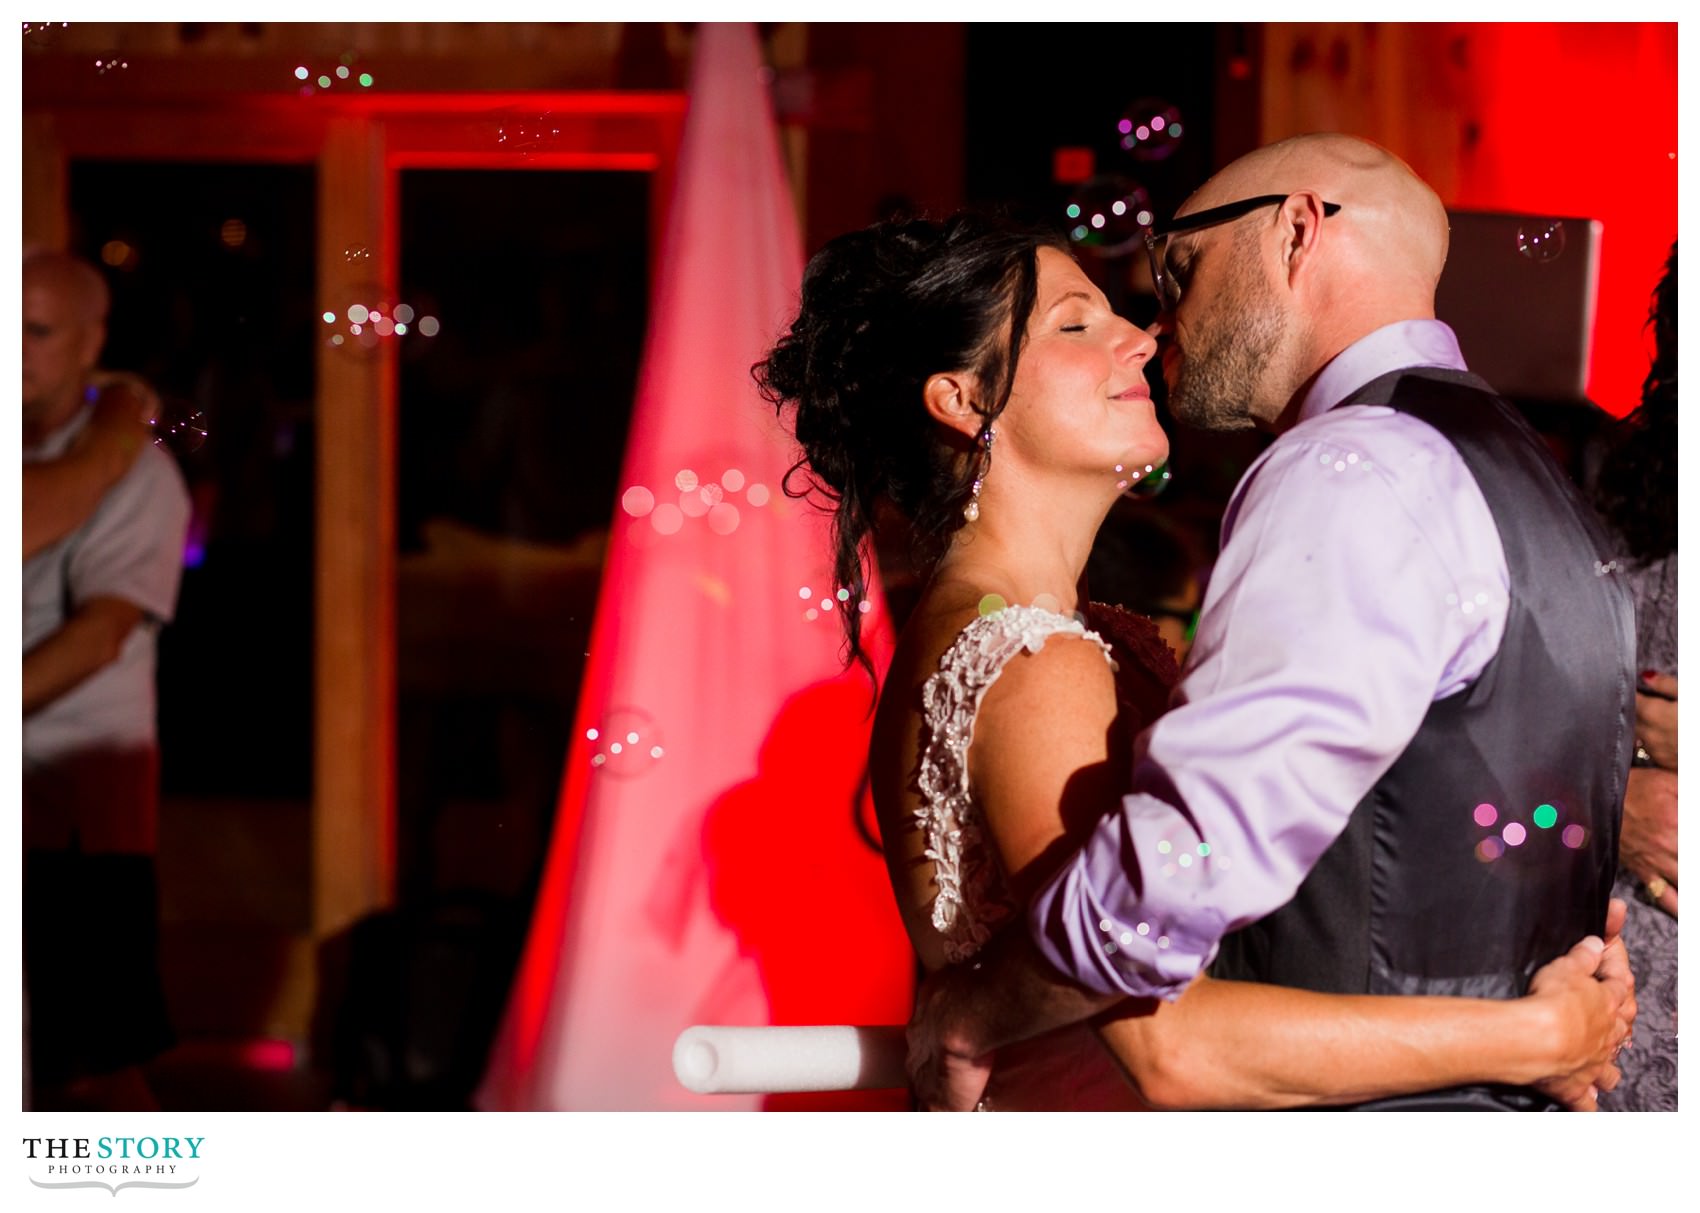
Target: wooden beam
{"points": [[354, 791], [46, 209]]}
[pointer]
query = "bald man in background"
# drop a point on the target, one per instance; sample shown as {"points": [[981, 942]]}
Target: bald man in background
{"points": [[97, 586], [1395, 760]]}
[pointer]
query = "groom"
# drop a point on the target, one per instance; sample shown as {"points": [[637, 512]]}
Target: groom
{"points": [[1395, 761]]}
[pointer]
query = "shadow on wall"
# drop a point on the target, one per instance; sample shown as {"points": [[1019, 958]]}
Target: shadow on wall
{"points": [[791, 872]]}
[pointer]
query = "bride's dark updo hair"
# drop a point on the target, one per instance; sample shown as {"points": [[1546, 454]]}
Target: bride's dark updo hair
{"points": [[883, 309]]}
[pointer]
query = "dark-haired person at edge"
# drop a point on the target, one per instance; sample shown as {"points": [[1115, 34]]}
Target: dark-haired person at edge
{"points": [[1636, 492], [104, 519], [1395, 762], [971, 375]]}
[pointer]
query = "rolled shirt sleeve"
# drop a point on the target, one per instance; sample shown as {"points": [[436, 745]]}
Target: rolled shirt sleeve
{"points": [[1361, 578]]}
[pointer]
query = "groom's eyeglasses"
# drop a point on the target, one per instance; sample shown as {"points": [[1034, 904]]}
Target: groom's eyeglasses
{"points": [[1168, 288]]}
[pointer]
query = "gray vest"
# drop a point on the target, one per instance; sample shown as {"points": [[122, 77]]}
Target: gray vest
{"points": [[1489, 847]]}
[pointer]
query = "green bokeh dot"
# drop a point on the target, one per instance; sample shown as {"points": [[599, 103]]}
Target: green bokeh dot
{"points": [[991, 604], [1546, 816]]}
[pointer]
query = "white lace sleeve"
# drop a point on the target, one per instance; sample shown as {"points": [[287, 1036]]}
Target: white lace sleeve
{"points": [[972, 896]]}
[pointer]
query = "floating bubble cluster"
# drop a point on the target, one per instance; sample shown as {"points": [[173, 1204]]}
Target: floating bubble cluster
{"points": [[690, 498], [1541, 239], [1108, 214], [1150, 129], [367, 314]]}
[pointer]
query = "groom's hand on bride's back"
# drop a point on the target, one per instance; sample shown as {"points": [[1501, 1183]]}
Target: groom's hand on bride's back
{"points": [[947, 1070]]}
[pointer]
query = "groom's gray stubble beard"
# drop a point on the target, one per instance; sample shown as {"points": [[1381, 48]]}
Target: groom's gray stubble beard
{"points": [[1214, 388]]}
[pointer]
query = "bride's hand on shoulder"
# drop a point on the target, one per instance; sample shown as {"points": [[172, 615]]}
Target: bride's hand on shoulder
{"points": [[1588, 999]]}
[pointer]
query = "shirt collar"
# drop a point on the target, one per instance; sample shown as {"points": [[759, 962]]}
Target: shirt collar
{"points": [[53, 446], [1393, 347]]}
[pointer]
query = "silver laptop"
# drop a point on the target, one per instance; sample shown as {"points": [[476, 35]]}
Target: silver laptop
{"points": [[1521, 304]]}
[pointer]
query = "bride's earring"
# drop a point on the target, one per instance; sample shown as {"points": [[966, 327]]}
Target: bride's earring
{"points": [[972, 510]]}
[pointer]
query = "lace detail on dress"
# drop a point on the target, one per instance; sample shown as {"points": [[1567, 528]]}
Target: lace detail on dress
{"points": [[972, 897]]}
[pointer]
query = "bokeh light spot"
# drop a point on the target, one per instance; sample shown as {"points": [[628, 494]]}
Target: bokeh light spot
{"points": [[724, 518], [1546, 816]]}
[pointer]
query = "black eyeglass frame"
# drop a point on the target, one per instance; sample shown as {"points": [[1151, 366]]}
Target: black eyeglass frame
{"points": [[1161, 282]]}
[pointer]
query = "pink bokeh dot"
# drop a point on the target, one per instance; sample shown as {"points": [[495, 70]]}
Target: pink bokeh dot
{"points": [[1514, 834], [1574, 836], [723, 519], [638, 501], [1486, 815], [667, 519]]}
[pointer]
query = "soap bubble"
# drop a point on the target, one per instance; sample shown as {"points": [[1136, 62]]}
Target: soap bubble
{"points": [[1150, 129], [39, 35], [1108, 214], [1142, 479], [1541, 239], [178, 425], [613, 752], [525, 132]]}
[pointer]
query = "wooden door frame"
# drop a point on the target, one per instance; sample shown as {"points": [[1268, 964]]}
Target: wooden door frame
{"points": [[359, 144]]}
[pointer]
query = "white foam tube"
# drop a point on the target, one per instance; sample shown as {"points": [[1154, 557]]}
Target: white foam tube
{"points": [[741, 1061]]}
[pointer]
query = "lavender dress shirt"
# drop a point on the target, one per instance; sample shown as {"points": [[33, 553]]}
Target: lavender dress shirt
{"points": [[1361, 578]]}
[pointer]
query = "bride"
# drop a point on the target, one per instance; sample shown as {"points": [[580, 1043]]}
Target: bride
{"points": [[1005, 723]]}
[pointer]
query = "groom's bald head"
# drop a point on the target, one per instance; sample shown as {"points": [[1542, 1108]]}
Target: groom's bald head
{"points": [[1393, 222], [1279, 292]]}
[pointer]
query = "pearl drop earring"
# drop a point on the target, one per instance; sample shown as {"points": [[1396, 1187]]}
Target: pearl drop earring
{"points": [[972, 510]]}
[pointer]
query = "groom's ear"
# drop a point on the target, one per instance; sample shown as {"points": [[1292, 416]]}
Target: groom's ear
{"points": [[1301, 229], [949, 397]]}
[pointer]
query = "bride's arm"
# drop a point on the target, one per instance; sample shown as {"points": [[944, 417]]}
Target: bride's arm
{"points": [[1043, 766]]}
